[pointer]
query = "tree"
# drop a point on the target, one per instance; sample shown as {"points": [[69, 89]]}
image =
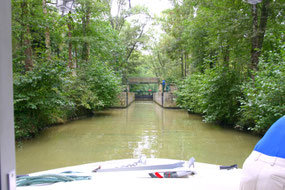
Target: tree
{"points": [[258, 32], [45, 45], [131, 31], [47, 32], [225, 41], [69, 25], [27, 35]]}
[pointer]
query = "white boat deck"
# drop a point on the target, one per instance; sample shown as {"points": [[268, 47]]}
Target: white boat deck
{"points": [[207, 176]]}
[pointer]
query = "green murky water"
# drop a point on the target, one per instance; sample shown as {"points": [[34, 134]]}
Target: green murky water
{"points": [[143, 128]]}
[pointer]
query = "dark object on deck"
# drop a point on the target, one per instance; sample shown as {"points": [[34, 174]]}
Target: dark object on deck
{"points": [[229, 167]]}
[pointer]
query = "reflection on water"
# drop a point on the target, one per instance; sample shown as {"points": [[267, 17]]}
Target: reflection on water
{"points": [[143, 128]]}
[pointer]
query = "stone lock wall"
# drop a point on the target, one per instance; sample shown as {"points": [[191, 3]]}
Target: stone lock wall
{"points": [[166, 99], [124, 100], [131, 97], [157, 98]]}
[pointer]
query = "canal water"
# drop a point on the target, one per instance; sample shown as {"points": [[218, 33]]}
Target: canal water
{"points": [[143, 128]]}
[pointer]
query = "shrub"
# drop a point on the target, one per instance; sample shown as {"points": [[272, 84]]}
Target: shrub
{"points": [[221, 95], [39, 97], [190, 93], [50, 94], [215, 94], [96, 86], [264, 97]]}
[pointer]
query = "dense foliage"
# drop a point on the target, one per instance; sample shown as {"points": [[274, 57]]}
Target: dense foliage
{"points": [[66, 66], [96, 87], [205, 94], [263, 100], [39, 97], [229, 56], [50, 94]]}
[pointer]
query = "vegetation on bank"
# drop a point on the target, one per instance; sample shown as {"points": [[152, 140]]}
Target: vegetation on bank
{"points": [[222, 96], [231, 57], [69, 66], [51, 94]]}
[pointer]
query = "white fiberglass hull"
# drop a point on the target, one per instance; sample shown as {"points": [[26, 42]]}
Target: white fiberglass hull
{"points": [[208, 176]]}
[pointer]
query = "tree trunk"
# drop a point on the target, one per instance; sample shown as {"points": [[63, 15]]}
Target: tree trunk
{"points": [[162, 64], [28, 50], [70, 61], [185, 60], [86, 45], [134, 45], [258, 33], [130, 6], [182, 65], [254, 39], [27, 35], [47, 33], [226, 55], [76, 56]]}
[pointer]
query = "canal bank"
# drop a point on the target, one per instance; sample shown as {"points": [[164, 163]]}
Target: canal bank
{"points": [[142, 128]]}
